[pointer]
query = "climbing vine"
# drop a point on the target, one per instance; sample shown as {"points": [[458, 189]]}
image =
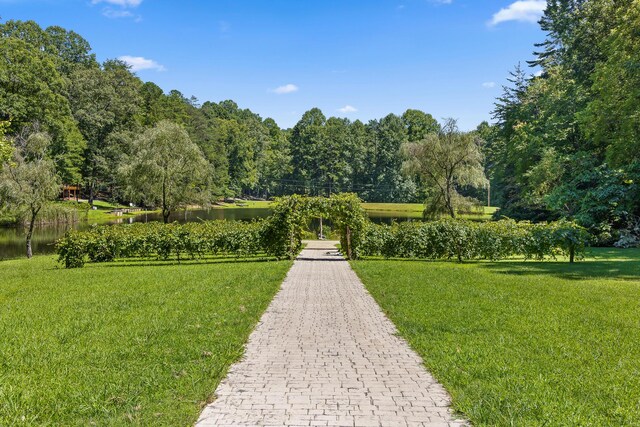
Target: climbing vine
{"points": [[292, 213]]}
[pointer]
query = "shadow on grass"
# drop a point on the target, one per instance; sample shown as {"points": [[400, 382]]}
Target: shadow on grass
{"points": [[151, 262], [582, 270], [601, 263]]}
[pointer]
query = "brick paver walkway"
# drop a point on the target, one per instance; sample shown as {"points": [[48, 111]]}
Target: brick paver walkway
{"points": [[325, 355]]}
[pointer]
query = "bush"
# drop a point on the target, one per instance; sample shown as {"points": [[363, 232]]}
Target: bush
{"points": [[162, 241], [464, 240]]}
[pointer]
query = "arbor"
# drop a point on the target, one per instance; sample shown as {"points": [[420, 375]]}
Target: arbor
{"points": [[446, 160], [167, 169], [29, 181]]}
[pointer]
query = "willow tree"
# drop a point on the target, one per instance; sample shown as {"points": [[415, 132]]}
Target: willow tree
{"points": [[445, 161], [28, 181], [167, 169]]}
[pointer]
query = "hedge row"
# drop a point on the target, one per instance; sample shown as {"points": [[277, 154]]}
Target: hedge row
{"points": [[444, 239], [466, 240], [192, 240]]}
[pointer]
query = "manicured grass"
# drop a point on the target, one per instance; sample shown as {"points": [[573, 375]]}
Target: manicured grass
{"points": [[414, 210], [121, 344], [523, 343]]}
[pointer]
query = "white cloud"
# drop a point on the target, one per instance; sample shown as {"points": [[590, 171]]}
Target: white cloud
{"points": [[348, 109], [138, 63], [281, 90], [442, 1], [489, 85], [538, 73], [522, 10], [121, 3], [114, 13]]}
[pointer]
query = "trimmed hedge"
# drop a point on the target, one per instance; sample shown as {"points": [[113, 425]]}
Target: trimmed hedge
{"points": [[161, 241], [466, 240]]}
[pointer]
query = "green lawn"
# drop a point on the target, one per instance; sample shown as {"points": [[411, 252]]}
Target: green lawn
{"points": [[523, 343], [119, 344], [245, 204], [414, 210]]}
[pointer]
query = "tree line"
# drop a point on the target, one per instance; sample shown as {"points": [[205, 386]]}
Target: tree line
{"points": [[565, 142], [96, 114]]}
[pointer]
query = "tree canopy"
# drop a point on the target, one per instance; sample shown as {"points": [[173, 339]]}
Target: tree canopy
{"points": [[564, 142], [166, 169], [28, 181], [446, 161]]}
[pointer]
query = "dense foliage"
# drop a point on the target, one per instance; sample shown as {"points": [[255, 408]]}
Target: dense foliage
{"points": [[466, 240], [291, 215], [161, 241], [447, 161], [166, 169], [566, 142], [280, 235], [28, 182], [98, 113]]}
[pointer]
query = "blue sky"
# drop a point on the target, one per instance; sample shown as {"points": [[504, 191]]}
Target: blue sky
{"points": [[360, 59]]}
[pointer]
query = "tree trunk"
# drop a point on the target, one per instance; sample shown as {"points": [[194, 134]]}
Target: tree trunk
{"points": [[348, 241], [165, 210], [91, 195], [452, 211], [572, 254], [34, 213]]}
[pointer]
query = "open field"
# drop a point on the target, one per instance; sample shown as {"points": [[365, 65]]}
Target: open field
{"points": [[120, 343], [523, 343]]}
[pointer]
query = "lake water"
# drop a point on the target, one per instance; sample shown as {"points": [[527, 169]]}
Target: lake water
{"points": [[12, 239]]}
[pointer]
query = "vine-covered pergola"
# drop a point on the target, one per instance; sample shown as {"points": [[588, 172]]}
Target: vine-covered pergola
{"points": [[291, 214]]}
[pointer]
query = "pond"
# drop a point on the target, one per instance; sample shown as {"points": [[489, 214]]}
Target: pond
{"points": [[12, 239]]}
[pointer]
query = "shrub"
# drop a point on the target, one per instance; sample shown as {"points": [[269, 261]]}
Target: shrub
{"points": [[464, 240], [162, 241]]}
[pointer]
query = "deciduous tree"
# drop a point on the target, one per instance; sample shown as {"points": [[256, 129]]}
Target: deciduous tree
{"points": [[446, 160], [167, 169], [29, 181]]}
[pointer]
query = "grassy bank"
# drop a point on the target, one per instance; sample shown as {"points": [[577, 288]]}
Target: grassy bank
{"points": [[123, 344], [523, 343], [414, 210]]}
